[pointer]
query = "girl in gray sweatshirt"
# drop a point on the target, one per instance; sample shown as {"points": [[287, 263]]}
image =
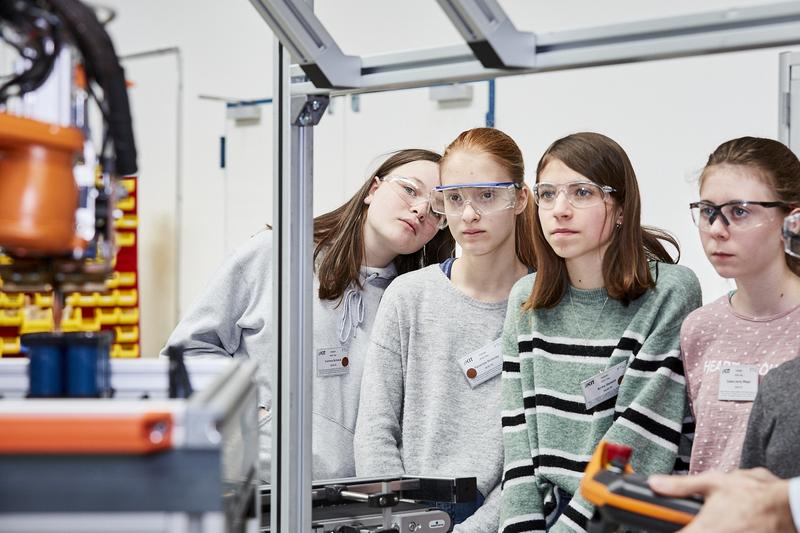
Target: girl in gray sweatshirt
{"points": [[386, 228], [430, 396]]}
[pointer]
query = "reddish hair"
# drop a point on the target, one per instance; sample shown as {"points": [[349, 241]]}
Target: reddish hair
{"points": [[507, 154]]}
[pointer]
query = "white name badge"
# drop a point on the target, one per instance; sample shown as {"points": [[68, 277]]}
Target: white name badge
{"points": [[332, 362], [738, 383], [483, 364], [603, 386]]}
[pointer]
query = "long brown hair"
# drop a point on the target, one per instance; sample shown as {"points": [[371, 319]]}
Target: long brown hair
{"points": [[776, 164], [340, 235], [507, 154], [626, 273]]}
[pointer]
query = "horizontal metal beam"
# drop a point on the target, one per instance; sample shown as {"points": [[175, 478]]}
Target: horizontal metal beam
{"points": [[682, 36]]}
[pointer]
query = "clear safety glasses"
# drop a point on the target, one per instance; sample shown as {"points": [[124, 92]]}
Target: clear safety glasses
{"points": [[579, 194], [741, 215], [416, 196], [484, 198], [791, 235]]}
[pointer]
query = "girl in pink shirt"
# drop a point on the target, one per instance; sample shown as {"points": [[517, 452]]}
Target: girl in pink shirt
{"points": [[746, 188]]}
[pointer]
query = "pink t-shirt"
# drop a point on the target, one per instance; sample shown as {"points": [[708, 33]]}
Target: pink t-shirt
{"points": [[713, 337]]}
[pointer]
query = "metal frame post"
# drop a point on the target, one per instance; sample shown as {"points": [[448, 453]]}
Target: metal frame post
{"points": [[788, 110], [293, 289]]}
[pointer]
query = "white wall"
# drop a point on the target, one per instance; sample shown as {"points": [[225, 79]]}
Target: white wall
{"points": [[668, 115], [225, 50]]}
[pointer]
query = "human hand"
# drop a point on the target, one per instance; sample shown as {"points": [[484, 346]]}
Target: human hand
{"points": [[741, 501]]}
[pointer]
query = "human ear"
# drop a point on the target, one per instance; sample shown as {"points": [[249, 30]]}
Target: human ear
{"points": [[376, 181], [523, 196]]}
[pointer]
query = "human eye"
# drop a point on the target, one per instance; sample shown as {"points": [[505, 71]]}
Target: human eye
{"points": [[487, 194], [738, 211], [546, 193], [583, 191], [409, 190], [454, 197], [707, 211]]}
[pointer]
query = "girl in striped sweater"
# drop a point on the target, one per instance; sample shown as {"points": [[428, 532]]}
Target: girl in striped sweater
{"points": [[591, 346]]}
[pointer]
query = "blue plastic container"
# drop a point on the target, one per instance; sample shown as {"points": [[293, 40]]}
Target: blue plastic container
{"points": [[88, 369], [46, 364]]}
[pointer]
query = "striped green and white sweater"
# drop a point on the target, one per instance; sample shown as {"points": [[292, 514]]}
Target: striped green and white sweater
{"points": [[548, 433]]}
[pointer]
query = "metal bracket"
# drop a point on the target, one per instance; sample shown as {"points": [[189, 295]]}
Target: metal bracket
{"points": [[309, 43], [490, 34], [308, 110]]}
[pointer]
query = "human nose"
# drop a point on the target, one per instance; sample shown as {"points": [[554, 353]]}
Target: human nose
{"points": [[718, 228], [561, 205], [420, 208], [469, 213]]}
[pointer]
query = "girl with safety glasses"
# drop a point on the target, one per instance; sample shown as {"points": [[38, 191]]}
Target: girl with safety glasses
{"points": [[590, 341], [384, 230], [430, 397], [746, 188]]}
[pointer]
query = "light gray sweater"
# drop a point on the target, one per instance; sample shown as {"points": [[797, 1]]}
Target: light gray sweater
{"points": [[418, 413], [234, 318]]}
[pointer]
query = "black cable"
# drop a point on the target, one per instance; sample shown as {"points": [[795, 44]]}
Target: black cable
{"points": [[102, 65], [41, 26], [37, 42]]}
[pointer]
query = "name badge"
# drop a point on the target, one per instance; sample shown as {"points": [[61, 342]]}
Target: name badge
{"points": [[603, 386], [738, 383], [332, 362], [483, 364]]}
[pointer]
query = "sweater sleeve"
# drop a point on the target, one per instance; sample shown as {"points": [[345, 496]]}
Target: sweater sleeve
{"points": [[214, 325], [651, 401], [521, 506], [378, 435], [759, 428], [485, 518], [238, 299]]}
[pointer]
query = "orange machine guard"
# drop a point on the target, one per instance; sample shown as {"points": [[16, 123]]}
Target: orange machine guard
{"points": [[599, 495], [82, 434]]}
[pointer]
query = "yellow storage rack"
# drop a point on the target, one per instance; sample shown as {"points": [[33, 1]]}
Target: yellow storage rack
{"points": [[116, 310]]}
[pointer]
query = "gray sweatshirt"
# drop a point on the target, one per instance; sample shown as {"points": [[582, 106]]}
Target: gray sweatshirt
{"points": [[234, 318], [773, 432], [418, 413]]}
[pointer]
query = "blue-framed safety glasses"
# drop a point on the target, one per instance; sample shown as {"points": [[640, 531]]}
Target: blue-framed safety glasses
{"points": [[484, 198]]}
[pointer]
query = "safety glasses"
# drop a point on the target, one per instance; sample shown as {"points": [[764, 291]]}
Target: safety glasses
{"points": [[579, 194], [741, 215], [416, 196], [484, 198], [791, 235]]}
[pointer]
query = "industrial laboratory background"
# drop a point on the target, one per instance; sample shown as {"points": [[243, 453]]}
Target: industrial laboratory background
{"points": [[205, 173], [159, 225]]}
